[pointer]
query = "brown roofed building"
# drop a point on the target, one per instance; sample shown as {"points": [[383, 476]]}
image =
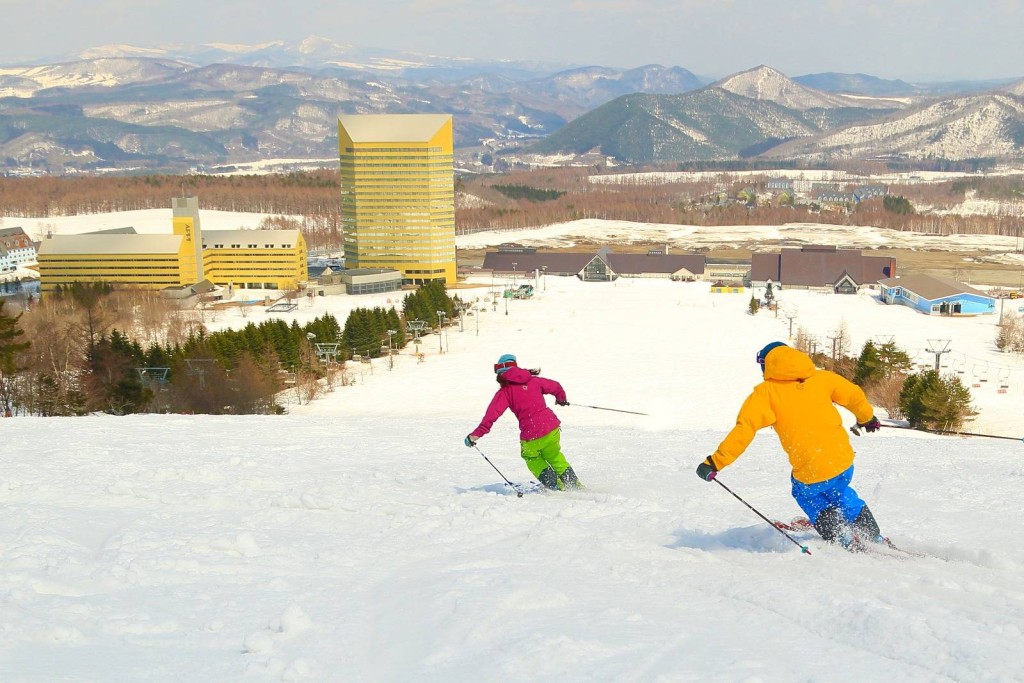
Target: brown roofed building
{"points": [[824, 267], [510, 263], [602, 266], [16, 249]]}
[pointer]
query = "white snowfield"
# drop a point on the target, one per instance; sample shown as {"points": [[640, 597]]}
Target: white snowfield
{"points": [[756, 237], [357, 539]]}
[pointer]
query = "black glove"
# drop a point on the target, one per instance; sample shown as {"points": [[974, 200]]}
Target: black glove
{"points": [[872, 425], [707, 470], [562, 402], [470, 440]]}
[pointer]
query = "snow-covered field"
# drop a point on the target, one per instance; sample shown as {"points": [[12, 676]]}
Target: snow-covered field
{"points": [[765, 237], [158, 221], [357, 539]]}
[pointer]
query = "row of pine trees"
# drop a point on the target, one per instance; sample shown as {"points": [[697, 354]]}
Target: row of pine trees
{"points": [[225, 372]]}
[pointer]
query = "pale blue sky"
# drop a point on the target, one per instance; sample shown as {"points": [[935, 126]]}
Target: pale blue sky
{"points": [[909, 39]]}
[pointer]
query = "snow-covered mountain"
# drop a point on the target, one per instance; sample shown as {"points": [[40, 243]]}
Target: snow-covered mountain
{"points": [[766, 83], [595, 85], [979, 126], [1015, 88], [317, 53], [180, 106], [108, 72]]}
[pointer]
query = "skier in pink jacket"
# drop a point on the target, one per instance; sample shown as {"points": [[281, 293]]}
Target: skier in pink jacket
{"points": [[523, 391]]}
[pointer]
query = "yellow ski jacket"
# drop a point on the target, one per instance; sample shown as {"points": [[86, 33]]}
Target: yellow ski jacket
{"points": [[797, 400]]}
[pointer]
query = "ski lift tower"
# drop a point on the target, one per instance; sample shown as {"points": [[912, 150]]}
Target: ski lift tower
{"points": [[938, 347], [327, 352], [416, 327], [441, 316], [391, 349], [198, 367], [154, 379], [153, 376]]}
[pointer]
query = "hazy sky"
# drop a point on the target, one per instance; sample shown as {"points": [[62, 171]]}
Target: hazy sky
{"points": [[908, 39]]}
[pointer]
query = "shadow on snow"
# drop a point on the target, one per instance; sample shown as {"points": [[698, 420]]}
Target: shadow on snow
{"points": [[755, 539]]}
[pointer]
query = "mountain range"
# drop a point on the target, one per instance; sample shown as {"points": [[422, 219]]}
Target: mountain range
{"points": [[762, 114], [179, 107]]}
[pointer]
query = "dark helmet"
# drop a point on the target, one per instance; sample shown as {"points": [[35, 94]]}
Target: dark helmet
{"points": [[763, 353]]}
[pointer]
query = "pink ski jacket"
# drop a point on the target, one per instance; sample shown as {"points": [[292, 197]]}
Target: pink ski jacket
{"points": [[524, 394]]}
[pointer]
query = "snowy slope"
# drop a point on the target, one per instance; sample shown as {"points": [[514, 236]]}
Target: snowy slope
{"points": [[766, 83], [357, 539], [969, 127], [25, 81]]}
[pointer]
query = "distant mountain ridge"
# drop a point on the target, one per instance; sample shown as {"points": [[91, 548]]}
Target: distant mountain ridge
{"points": [[766, 83], [859, 84], [803, 124], [989, 125], [711, 123], [183, 106]]}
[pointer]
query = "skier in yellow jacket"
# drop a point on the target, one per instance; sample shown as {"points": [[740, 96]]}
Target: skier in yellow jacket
{"points": [[796, 399]]}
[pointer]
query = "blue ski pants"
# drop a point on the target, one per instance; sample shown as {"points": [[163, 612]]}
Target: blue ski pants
{"points": [[836, 492]]}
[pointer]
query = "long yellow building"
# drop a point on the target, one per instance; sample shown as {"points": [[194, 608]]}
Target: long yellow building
{"points": [[252, 259], [255, 259], [398, 194], [146, 261]]}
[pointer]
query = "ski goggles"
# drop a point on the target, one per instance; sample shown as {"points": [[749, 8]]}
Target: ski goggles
{"points": [[498, 367], [763, 353]]}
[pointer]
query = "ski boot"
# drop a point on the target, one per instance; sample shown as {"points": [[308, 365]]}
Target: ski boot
{"points": [[570, 481], [549, 479], [866, 528], [832, 527]]}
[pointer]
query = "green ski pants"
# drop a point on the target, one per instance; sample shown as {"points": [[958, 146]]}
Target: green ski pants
{"points": [[543, 452]]}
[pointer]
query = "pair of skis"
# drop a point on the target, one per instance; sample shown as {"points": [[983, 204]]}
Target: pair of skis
{"points": [[886, 547]]}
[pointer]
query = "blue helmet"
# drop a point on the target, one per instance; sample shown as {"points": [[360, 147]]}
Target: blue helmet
{"points": [[504, 363], [763, 353]]}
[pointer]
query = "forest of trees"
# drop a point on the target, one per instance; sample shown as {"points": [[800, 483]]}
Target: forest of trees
{"points": [[94, 348], [310, 201], [696, 203]]}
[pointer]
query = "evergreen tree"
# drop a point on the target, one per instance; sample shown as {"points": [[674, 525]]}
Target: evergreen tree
{"points": [[395, 323], [894, 358], [869, 366], [358, 335], [11, 347], [897, 204], [931, 401], [113, 384]]}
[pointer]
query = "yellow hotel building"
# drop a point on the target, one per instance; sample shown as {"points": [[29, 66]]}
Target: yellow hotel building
{"points": [[254, 259], [398, 194], [145, 261]]}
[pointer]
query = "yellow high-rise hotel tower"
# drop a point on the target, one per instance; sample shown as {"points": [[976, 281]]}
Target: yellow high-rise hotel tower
{"points": [[398, 194]]}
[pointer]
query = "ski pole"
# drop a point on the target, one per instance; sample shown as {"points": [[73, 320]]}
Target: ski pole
{"points": [[939, 431], [803, 548], [519, 494], [616, 410], [987, 436]]}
